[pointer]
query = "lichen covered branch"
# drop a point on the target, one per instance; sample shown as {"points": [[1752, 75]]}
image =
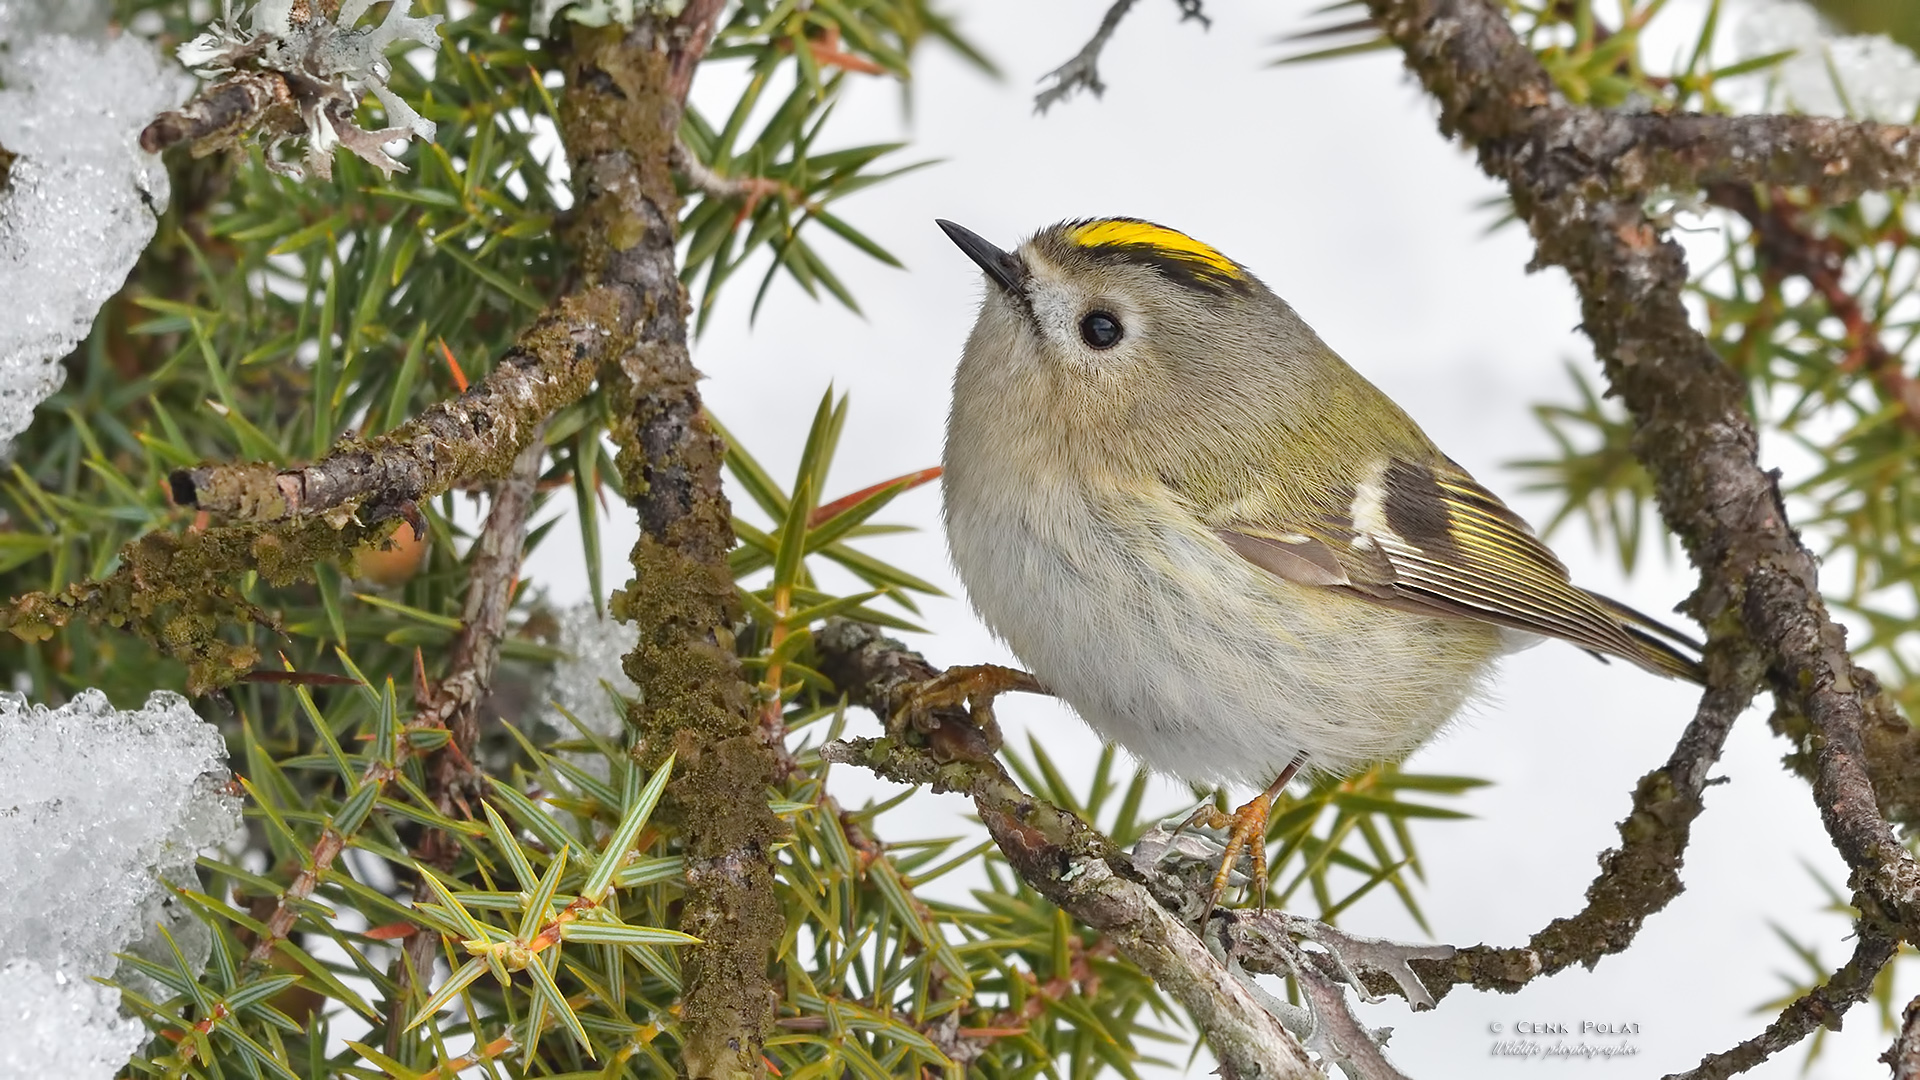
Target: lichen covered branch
{"points": [[472, 437], [1821, 1006], [625, 92], [1903, 1057], [1645, 152], [1083, 71], [176, 590]]}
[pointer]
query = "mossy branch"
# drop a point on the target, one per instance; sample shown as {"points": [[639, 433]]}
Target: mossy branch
{"points": [[1820, 1007], [177, 591], [472, 437], [619, 121]]}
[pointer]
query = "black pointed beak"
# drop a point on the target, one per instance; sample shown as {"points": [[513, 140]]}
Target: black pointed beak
{"points": [[1003, 267]]}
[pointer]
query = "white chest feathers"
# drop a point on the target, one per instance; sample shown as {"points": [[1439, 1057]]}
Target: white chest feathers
{"points": [[1201, 664]]}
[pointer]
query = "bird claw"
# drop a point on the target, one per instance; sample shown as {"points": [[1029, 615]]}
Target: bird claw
{"points": [[1246, 836], [974, 687]]}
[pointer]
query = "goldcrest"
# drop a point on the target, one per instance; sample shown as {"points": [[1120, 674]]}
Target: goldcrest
{"points": [[1223, 547]]}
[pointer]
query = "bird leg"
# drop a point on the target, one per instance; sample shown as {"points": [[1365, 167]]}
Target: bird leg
{"points": [[1246, 833], [975, 687]]}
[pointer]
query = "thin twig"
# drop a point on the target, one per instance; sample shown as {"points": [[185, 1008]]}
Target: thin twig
{"points": [[1822, 1006], [1056, 853], [712, 184], [1904, 1055], [688, 37], [1083, 71], [452, 780]]}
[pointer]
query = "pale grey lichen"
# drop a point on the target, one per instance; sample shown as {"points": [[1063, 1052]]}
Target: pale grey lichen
{"points": [[601, 12], [302, 74]]}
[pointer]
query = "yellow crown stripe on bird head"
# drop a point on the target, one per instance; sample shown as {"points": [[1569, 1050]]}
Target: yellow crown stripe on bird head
{"points": [[1168, 243]]}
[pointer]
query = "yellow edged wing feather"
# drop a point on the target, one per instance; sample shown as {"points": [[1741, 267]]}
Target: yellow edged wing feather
{"points": [[1428, 538]]}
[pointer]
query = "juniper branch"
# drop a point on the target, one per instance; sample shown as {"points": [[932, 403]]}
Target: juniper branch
{"points": [[1083, 71], [1821, 1006], [625, 92], [453, 783], [1789, 248], [472, 437], [1903, 1057]]}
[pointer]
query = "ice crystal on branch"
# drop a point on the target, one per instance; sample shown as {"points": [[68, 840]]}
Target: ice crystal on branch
{"points": [[80, 199], [61, 1026], [284, 70], [594, 646], [1866, 76]]}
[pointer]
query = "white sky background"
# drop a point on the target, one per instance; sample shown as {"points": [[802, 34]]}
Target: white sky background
{"points": [[1331, 183]]}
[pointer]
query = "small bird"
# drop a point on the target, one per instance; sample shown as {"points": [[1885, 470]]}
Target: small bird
{"points": [[1222, 546]]}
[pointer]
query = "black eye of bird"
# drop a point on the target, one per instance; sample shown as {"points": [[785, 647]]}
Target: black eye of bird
{"points": [[1100, 329]]}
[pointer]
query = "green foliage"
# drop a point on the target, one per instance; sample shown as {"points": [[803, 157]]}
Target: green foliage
{"points": [[271, 319], [1594, 472], [776, 181]]}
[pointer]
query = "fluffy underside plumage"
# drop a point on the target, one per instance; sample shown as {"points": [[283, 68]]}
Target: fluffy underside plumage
{"points": [[1225, 676]]}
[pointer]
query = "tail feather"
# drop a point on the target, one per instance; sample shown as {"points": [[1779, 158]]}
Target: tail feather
{"points": [[1665, 650]]}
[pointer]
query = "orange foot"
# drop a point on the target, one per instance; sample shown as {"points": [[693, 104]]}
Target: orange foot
{"points": [[974, 687], [1246, 834]]}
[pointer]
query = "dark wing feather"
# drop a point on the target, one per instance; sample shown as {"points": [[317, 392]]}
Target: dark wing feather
{"points": [[1428, 538]]}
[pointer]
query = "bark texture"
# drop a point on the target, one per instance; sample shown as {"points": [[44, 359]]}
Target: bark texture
{"points": [[473, 437], [626, 88]]}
